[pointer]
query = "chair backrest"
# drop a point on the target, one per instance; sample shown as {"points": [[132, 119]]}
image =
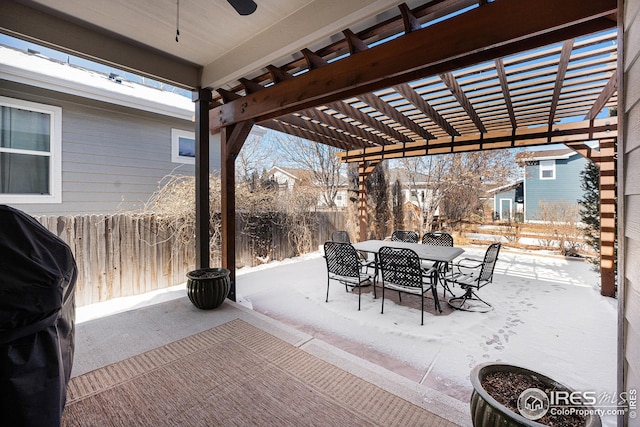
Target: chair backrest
{"points": [[489, 263], [404, 236], [340, 236], [400, 266], [342, 259], [438, 238]]}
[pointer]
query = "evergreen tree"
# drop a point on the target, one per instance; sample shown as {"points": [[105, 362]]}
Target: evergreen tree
{"points": [[398, 205], [590, 204], [378, 191]]}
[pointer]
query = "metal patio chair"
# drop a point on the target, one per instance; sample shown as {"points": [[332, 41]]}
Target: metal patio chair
{"points": [[471, 275], [404, 236], [403, 272], [437, 238], [367, 260], [344, 265], [440, 238]]}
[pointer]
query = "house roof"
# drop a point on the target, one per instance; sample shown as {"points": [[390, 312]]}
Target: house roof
{"points": [[301, 175], [405, 177], [505, 187], [36, 70], [559, 154]]}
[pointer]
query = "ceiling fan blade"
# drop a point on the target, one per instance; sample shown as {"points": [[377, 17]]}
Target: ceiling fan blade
{"points": [[243, 7]]}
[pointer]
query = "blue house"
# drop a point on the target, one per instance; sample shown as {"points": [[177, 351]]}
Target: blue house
{"points": [[549, 176]]}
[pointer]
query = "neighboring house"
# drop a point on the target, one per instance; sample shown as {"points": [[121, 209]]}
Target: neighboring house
{"points": [[415, 187], [415, 190], [508, 201], [288, 178], [76, 141], [550, 176]]}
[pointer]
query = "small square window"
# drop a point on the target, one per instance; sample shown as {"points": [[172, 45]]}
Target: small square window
{"points": [[547, 169], [183, 146]]}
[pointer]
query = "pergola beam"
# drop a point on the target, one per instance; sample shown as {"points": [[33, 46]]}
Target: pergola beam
{"points": [[439, 48], [572, 132]]}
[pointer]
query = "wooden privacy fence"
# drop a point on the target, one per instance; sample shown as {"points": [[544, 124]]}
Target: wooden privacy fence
{"points": [[122, 255]]}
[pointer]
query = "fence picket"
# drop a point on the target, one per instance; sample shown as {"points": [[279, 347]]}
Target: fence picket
{"points": [[121, 255]]}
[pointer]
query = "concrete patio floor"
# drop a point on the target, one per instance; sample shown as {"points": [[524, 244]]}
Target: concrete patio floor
{"points": [[547, 316], [115, 330]]}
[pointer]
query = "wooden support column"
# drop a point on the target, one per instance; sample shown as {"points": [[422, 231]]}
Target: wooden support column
{"points": [[202, 98], [607, 165], [232, 139], [605, 158], [364, 170]]}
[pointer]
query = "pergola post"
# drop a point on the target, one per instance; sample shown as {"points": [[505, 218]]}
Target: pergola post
{"points": [[607, 184], [232, 139], [202, 98], [605, 159]]}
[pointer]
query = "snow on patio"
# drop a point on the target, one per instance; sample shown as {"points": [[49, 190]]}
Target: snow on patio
{"points": [[548, 316]]}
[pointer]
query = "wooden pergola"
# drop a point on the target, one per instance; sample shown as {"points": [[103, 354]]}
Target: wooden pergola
{"points": [[449, 76]]}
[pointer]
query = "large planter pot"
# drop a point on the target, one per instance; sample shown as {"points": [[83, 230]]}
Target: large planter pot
{"points": [[486, 411], [207, 288]]}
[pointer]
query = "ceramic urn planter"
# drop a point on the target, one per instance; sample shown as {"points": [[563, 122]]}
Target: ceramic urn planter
{"points": [[487, 411], [207, 288]]}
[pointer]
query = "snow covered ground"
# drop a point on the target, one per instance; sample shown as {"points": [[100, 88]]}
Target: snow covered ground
{"points": [[548, 316]]}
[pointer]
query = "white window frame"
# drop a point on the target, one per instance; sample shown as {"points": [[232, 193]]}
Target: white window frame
{"points": [[55, 153], [547, 165], [176, 134]]}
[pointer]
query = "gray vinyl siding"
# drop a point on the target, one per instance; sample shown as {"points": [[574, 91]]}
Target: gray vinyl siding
{"points": [[629, 257], [566, 185], [113, 157]]}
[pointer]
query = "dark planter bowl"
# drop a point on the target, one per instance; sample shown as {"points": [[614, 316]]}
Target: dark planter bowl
{"points": [[207, 288], [488, 412]]}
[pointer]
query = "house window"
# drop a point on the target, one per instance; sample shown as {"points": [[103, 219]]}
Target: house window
{"points": [[183, 146], [547, 169], [30, 152]]}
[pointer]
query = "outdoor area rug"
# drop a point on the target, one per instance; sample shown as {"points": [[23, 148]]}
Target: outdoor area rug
{"points": [[233, 375]]}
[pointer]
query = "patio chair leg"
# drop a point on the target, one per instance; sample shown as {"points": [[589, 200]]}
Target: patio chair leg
{"points": [[327, 300], [469, 295]]}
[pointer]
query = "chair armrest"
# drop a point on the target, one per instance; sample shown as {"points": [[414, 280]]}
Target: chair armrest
{"points": [[470, 263]]}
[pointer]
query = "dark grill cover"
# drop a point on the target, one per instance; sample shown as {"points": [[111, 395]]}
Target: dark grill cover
{"points": [[37, 314]]}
